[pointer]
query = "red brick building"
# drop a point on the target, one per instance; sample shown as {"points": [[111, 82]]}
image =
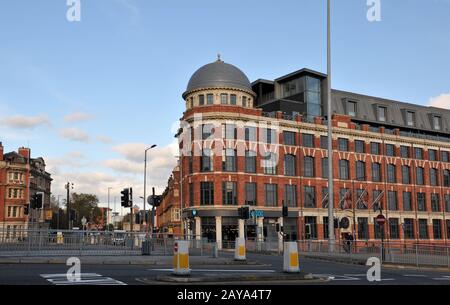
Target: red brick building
{"points": [[20, 178], [264, 144], [168, 218]]}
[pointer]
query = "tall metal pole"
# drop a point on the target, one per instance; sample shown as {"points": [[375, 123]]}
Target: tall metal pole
{"points": [[145, 190], [153, 211], [331, 238], [69, 221], [145, 186], [107, 212]]}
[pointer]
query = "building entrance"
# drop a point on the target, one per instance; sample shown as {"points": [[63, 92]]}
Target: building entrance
{"points": [[230, 231]]}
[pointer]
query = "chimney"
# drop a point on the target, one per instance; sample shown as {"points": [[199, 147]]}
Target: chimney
{"points": [[24, 152], [1, 151]]}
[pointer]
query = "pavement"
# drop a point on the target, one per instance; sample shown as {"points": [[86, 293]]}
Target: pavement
{"points": [[125, 260]]}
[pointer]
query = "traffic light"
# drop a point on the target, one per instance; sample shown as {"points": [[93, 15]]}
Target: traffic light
{"points": [[155, 200], [138, 218], [130, 197], [336, 223], [244, 212], [26, 210], [39, 200], [36, 201], [278, 227], [190, 225], [285, 211], [125, 198], [73, 215]]}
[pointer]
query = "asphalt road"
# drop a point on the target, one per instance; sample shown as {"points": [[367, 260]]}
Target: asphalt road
{"points": [[339, 273]]}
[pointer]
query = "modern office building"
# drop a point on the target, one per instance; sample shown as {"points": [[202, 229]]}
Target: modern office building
{"points": [[264, 144]]}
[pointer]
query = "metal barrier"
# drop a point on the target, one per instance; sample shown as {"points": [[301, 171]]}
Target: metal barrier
{"points": [[95, 243], [388, 252]]}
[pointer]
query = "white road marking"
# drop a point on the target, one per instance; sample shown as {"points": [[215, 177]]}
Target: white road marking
{"points": [[335, 277], [64, 275], [444, 278], [414, 275], [348, 277], [219, 270], [86, 279]]}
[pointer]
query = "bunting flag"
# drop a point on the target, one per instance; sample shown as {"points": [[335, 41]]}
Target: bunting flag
{"points": [[346, 201], [325, 201], [363, 200], [377, 204]]}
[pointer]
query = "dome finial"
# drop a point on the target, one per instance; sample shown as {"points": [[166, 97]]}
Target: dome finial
{"points": [[218, 57]]}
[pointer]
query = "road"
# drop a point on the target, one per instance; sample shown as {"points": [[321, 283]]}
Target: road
{"points": [[339, 273]]}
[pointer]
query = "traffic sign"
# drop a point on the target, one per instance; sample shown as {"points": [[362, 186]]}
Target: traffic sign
{"points": [[256, 213], [381, 220]]}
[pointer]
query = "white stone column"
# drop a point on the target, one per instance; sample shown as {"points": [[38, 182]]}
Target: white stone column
{"points": [[260, 229], [198, 228], [280, 236], [219, 232], [241, 228]]}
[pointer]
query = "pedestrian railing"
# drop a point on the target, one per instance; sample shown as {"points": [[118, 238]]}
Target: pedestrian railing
{"points": [[94, 243], [388, 252]]}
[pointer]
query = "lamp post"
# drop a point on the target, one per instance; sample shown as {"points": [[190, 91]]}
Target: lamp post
{"points": [[107, 212], [330, 136], [145, 183], [67, 186], [57, 215]]}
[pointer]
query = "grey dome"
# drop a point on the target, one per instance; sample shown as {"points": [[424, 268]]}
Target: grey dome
{"points": [[218, 75]]}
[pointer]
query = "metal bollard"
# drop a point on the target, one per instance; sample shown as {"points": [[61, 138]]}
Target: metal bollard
{"points": [[290, 258], [181, 258], [215, 250], [239, 251]]}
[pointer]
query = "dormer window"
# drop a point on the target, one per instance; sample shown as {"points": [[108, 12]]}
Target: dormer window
{"points": [[410, 118], [382, 113], [244, 101], [233, 99], [437, 122], [224, 98], [210, 99], [351, 108]]}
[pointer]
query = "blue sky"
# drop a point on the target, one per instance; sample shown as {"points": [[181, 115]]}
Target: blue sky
{"points": [[89, 95]]}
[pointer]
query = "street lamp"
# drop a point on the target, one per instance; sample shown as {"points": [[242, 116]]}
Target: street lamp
{"points": [[145, 182], [107, 211], [331, 238]]}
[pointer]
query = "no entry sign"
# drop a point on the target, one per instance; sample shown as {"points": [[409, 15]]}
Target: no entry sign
{"points": [[381, 220]]}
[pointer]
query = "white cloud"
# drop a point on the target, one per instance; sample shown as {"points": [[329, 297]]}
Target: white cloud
{"points": [[26, 122], [441, 101], [77, 117], [126, 166], [74, 134], [104, 139]]}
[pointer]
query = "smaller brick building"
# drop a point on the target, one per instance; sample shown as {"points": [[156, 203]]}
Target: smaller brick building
{"points": [[168, 213]]}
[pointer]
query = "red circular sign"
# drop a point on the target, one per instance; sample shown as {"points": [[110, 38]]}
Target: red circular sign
{"points": [[381, 220]]}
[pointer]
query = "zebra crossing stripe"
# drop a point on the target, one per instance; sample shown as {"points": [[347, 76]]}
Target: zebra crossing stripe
{"points": [[86, 279]]}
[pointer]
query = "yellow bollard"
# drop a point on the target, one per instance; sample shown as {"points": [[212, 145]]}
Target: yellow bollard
{"points": [[239, 251], [181, 257], [290, 262]]}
